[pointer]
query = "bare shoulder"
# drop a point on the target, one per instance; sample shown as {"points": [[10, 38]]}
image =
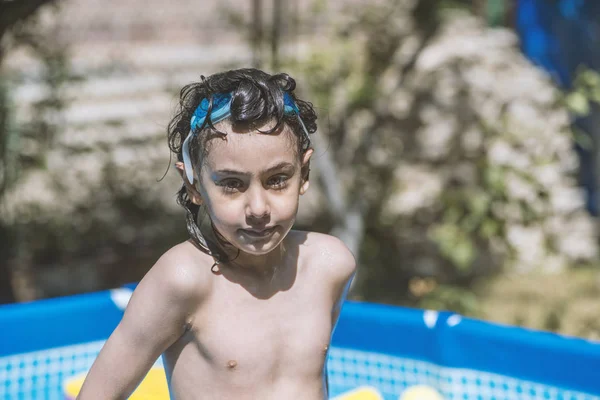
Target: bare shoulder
{"points": [[328, 252], [161, 309], [181, 274]]}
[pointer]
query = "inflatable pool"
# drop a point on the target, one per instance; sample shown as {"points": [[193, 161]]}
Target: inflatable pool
{"points": [[378, 353]]}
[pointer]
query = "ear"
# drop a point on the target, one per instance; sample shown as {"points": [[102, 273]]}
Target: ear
{"points": [[305, 171], [191, 190]]}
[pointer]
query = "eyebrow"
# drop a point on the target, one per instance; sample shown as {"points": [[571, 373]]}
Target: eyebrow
{"points": [[282, 165]]}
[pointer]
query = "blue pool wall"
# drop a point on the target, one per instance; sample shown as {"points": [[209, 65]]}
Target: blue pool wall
{"points": [[390, 348]]}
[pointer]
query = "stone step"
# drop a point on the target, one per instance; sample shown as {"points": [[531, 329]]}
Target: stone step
{"points": [[94, 136], [154, 107], [151, 108], [129, 59], [112, 87]]}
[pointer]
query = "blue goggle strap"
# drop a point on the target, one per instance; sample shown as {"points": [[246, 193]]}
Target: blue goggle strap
{"points": [[221, 110]]}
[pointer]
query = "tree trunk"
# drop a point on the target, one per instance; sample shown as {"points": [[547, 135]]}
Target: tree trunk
{"points": [[276, 34], [257, 33], [11, 12], [6, 291], [349, 218], [479, 8], [7, 294]]}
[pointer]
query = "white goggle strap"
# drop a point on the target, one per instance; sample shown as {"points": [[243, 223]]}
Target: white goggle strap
{"points": [[289, 110], [187, 160], [304, 128]]}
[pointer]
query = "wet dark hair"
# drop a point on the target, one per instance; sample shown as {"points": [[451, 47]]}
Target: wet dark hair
{"points": [[256, 97]]}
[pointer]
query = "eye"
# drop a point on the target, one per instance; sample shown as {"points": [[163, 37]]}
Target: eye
{"points": [[230, 185], [278, 181]]}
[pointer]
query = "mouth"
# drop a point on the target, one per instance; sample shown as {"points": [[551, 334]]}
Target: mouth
{"points": [[259, 233]]}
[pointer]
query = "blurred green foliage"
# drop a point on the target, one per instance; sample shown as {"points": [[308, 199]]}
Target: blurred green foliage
{"points": [[585, 92], [565, 302], [581, 99], [468, 223]]}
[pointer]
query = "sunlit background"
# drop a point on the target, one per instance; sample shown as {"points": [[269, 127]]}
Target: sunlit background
{"points": [[456, 151]]}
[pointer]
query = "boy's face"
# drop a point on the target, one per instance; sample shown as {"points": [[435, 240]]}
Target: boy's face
{"points": [[250, 183]]}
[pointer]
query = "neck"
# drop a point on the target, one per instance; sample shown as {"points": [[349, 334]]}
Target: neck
{"points": [[260, 265]]}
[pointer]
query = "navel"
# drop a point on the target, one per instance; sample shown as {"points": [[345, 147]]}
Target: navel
{"points": [[231, 364]]}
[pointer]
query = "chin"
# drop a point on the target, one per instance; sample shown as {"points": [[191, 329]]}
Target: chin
{"points": [[260, 249], [255, 244], [258, 246]]}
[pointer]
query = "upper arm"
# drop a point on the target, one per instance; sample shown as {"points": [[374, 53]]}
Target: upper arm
{"points": [[344, 271], [160, 309], [341, 267]]}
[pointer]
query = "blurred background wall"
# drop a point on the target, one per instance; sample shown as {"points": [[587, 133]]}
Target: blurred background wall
{"points": [[445, 158]]}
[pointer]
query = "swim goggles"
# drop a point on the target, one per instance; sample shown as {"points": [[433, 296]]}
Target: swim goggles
{"points": [[221, 109]]}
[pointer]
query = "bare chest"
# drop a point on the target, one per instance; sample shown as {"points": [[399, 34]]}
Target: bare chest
{"points": [[286, 334], [240, 339]]}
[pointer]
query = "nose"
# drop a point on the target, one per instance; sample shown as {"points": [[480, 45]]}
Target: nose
{"points": [[257, 206]]}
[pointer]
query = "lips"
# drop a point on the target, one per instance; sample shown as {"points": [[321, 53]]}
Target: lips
{"points": [[258, 233]]}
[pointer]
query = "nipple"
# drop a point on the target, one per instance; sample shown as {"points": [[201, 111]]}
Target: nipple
{"points": [[232, 364], [215, 269], [325, 348]]}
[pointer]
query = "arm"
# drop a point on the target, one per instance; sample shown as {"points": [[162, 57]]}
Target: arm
{"points": [[158, 313], [343, 270], [342, 267]]}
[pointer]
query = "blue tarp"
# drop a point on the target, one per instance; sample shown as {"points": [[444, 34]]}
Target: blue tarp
{"points": [[560, 36]]}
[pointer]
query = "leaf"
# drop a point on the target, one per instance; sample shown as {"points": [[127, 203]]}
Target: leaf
{"points": [[452, 214], [494, 178], [463, 254], [583, 139], [594, 94], [590, 77], [454, 245], [577, 103], [489, 228], [479, 203]]}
